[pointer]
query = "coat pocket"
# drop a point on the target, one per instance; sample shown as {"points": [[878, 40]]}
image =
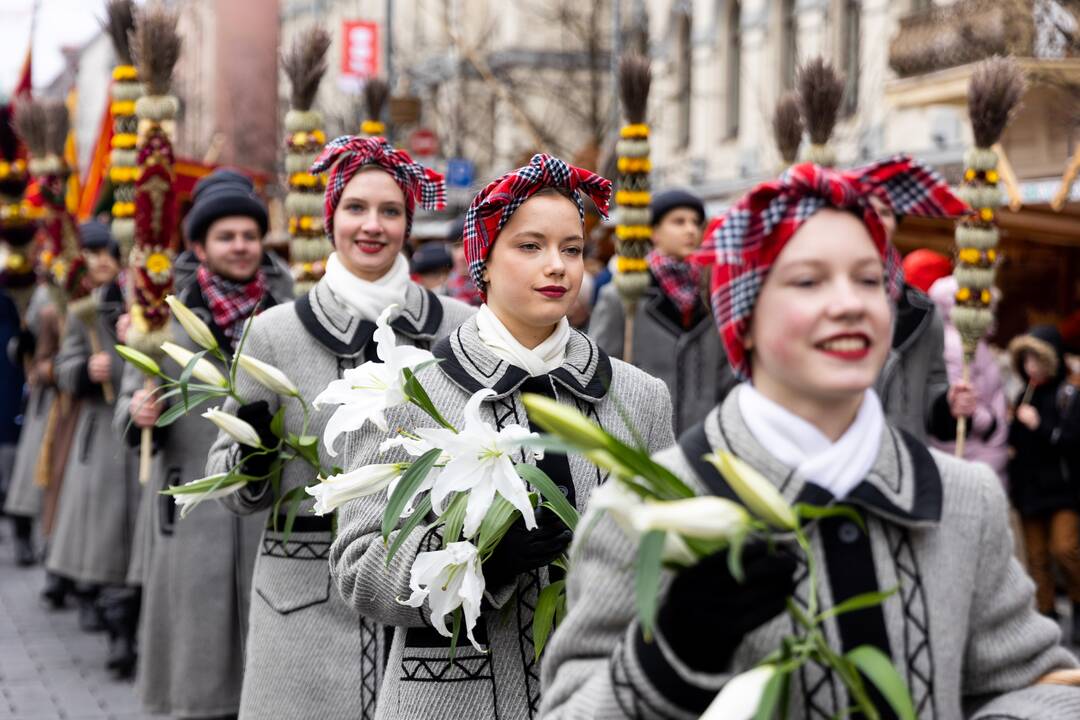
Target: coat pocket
{"points": [[427, 678], [294, 575]]}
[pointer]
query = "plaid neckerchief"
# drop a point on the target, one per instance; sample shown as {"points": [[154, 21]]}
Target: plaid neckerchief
{"points": [[230, 303], [461, 287], [493, 206], [345, 155], [678, 280], [744, 243]]}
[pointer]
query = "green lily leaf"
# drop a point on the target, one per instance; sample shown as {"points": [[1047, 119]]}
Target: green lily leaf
{"points": [[878, 668], [420, 513], [175, 412], [277, 424], [816, 512], [775, 690], [500, 516], [551, 493], [454, 516], [185, 376], [859, 602], [406, 488], [647, 579], [544, 615], [418, 396]]}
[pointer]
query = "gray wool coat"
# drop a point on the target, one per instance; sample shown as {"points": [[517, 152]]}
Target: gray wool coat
{"points": [[190, 638], [914, 382], [24, 497], [962, 629], [95, 522], [308, 654], [690, 361], [504, 682]]}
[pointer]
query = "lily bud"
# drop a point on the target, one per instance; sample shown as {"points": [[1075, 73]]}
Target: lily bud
{"points": [[754, 489], [333, 492], [142, 361], [239, 430], [195, 328], [565, 422], [741, 696], [204, 369], [268, 376], [706, 517]]}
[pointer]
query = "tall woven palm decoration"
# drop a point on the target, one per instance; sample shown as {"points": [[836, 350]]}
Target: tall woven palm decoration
{"points": [[155, 45], [788, 128], [633, 232], [997, 86], [18, 219], [376, 93], [124, 93], [820, 91], [305, 64]]}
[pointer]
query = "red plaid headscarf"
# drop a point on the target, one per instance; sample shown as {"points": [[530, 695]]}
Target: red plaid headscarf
{"points": [[493, 206], [742, 245], [231, 303], [347, 154]]}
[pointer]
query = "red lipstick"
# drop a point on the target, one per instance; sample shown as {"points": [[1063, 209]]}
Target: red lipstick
{"points": [[552, 291], [847, 346]]}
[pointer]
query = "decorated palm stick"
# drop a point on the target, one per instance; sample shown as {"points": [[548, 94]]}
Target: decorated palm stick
{"points": [[305, 65], [997, 85], [156, 48], [633, 232], [125, 92], [18, 219], [1067, 181], [820, 92], [788, 128], [376, 93]]}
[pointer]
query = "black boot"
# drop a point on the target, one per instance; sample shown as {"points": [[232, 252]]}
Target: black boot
{"points": [[90, 619], [57, 588], [120, 609], [24, 540]]}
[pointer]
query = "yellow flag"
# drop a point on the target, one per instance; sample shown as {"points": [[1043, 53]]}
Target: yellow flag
{"points": [[71, 157]]}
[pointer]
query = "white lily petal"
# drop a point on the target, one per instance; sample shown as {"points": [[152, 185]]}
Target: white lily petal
{"points": [[741, 695], [706, 517], [268, 376], [204, 369], [479, 502], [335, 491], [196, 329], [239, 430], [754, 489], [510, 485], [448, 579], [347, 418]]}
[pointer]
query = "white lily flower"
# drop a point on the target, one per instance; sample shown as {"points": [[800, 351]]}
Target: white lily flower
{"points": [[239, 430], [415, 447], [706, 517], [365, 392], [480, 464], [624, 505], [268, 376], [740, 697], [333, 492], [188, 501], [754, 489], [449, 579], [204, 369], [195, 328]]}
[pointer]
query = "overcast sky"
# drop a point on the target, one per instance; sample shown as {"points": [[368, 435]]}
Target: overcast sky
{"points": [[59, 23]]}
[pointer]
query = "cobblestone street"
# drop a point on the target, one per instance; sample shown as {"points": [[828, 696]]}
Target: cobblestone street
{"points": [[49, 669]]}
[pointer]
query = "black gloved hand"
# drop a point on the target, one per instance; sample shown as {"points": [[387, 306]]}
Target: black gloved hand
{"points": [[707, 612], [257, 414], [522, 550]]}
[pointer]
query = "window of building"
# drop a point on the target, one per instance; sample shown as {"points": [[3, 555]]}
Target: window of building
{"points": [[850, 47], [683, 65], [734, 70], [789, 49]]}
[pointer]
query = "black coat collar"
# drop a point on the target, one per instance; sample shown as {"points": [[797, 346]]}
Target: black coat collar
{"points": [[192, 296], [660, 307], [329, 321], [586, 371]]}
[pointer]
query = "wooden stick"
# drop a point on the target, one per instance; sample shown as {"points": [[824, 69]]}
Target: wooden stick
{"points": [[1027, 394], [628, 332], [1067, 181], [95, 348], [146, 444], [961, 422], [1069, 677], [1012, 187], [44, 461]]}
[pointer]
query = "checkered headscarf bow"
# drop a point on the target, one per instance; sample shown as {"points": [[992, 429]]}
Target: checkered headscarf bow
{"points": [[492, 207], [742, 245], [347, 154]]}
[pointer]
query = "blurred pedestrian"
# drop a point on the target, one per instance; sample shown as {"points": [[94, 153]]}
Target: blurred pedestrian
{"points": [[431, 264]]}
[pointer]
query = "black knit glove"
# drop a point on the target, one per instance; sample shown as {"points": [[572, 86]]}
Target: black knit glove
{"points": [[707, 612], [522, 550], [257, 414]]}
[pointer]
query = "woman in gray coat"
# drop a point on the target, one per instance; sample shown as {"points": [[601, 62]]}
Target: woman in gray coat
{"points": [[524, 244], [191, 639], [308, 654], [673, 329], [807, 317]]}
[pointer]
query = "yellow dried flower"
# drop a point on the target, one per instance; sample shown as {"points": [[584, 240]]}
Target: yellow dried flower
{"points": [[992, 177], [631, 265], [984, 296], [963, 294], [124, 141], [634, 131], [158, 263], [633, 197], [634, 165], [969, 255], [125, 72], [969, 174], [986, 214]]}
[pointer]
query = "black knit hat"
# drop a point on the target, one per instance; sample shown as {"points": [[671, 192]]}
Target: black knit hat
{"points": [[94, 235], [223, 193], [431, 256], [668, 200]]}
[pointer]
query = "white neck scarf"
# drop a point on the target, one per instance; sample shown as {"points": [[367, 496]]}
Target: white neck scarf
{"points": [[365, 299], [541, 360], [836, 466]]}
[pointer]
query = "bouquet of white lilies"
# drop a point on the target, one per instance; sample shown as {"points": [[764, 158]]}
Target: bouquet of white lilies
{"points": [[200, 382], [465, 478], [676, 527]]}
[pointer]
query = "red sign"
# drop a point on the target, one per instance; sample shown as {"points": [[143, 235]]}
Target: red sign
{"points": [[423, 142], [359, 49]]}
